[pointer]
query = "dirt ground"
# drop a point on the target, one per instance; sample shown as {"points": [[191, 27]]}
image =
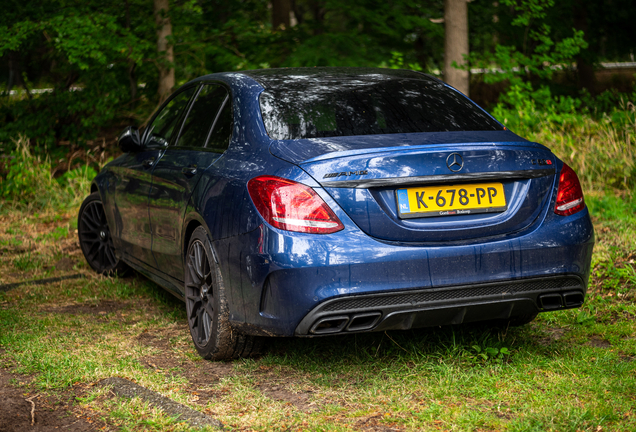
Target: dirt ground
{"points": [[202, 376], [60, 412], [22, 410]]}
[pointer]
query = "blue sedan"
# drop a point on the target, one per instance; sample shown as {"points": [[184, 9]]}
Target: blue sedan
{"points": [[323, 201]]}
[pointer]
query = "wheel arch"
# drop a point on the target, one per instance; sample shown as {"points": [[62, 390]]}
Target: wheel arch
{"points": [[187, 234], [191, 221]]}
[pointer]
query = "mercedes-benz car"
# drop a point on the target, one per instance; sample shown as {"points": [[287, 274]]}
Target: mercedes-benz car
{"points": [[325, 201]]}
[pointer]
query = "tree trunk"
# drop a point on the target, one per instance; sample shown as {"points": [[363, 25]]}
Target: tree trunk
{"points": [[133, 82], [131, 66], [319, 12], [420, 53], [166, 54], [456, 43], [281, 11], [15, 73], [584, 63], [12, 73]]}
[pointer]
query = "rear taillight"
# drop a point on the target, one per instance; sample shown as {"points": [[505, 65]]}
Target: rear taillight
{"points": [[292, 206], [570, 195]]}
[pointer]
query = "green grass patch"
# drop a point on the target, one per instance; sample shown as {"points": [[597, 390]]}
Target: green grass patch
{"points": [[27, 262], [567, 371]]}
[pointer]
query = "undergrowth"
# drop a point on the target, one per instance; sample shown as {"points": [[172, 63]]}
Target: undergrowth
{"points": [[596, 139], [27, 181], [599, 145]]}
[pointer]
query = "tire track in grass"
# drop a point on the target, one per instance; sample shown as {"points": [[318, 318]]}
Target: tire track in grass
{"points": [[125, 388]]}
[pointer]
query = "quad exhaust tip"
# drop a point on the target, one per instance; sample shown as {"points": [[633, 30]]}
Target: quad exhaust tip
{"points": [[556, 301], [330, 325], [573, 299], [551, 301], [364, 321], [337, 324]]}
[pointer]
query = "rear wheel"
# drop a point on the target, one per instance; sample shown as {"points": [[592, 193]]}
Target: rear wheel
{"points": [[206, 306], [95, 239]]}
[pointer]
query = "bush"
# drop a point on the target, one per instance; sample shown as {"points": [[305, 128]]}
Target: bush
{"points": [[74, 116], [599, 146], [26, 181]]}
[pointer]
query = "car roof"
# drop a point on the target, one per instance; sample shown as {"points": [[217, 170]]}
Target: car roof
{"points": [[284, 77]]}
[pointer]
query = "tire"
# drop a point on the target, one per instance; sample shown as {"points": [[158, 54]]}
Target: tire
{"points": [[95, 239], [207, 308]]}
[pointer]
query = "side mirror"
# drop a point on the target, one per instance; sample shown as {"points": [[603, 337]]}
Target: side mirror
{"points": [[129, 140]]}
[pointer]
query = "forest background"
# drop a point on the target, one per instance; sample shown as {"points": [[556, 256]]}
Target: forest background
{"points": [[74, 73]]}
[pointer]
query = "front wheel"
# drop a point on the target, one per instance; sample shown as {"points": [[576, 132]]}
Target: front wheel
{"points": [[95, 239], [206, 306]]}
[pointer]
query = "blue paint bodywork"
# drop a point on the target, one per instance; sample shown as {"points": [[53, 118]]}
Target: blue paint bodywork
{"points": [[274, 278]]}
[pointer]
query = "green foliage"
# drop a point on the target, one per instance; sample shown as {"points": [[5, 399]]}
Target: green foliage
{"points": [[86, 34], [600, 147], [613, 208], [529, 68], [540, 52], [27, 181], [100, 60], [327, 33], [74, 116], [397, 62], [27, 262], [85, 52], [490, 353]]}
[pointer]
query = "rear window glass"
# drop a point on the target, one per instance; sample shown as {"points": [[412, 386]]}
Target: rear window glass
{"points": [[364, 107]]}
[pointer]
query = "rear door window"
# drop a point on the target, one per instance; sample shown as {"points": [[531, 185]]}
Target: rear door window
{"points": [[222, 131], [200, 120]]}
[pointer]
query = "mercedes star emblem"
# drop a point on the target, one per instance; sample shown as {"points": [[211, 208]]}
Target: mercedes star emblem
{"points": [[454, 162]]}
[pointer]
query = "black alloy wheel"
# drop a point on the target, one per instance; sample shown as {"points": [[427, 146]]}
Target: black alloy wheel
{"points": [[199, 294], [206, 306], [95, 239]]}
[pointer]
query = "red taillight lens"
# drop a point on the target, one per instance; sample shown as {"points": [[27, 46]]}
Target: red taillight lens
{"points": [[292, 206], [570, 195]]}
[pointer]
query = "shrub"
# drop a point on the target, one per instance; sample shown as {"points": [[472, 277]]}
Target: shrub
{"points": [[47, 118], [26, 180], [600, 147]]}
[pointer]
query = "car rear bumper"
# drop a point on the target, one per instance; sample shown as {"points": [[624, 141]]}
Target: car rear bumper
{"points": [[404, 310], [284, 283]]}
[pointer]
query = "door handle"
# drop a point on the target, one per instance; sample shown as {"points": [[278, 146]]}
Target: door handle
{"points": [[189, 171], [148, 163]]}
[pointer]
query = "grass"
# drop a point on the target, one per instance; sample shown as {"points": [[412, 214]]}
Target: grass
{"points": [[567, 371], [27, 182]]}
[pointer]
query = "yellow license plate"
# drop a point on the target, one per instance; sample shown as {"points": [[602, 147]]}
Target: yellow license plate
{"points": [[450, 200]]}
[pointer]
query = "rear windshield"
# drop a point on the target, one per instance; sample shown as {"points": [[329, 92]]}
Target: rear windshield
{"points": [[330, 108]]}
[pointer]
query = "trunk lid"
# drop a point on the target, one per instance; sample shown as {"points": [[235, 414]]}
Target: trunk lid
{"points": [[372, 177]]}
